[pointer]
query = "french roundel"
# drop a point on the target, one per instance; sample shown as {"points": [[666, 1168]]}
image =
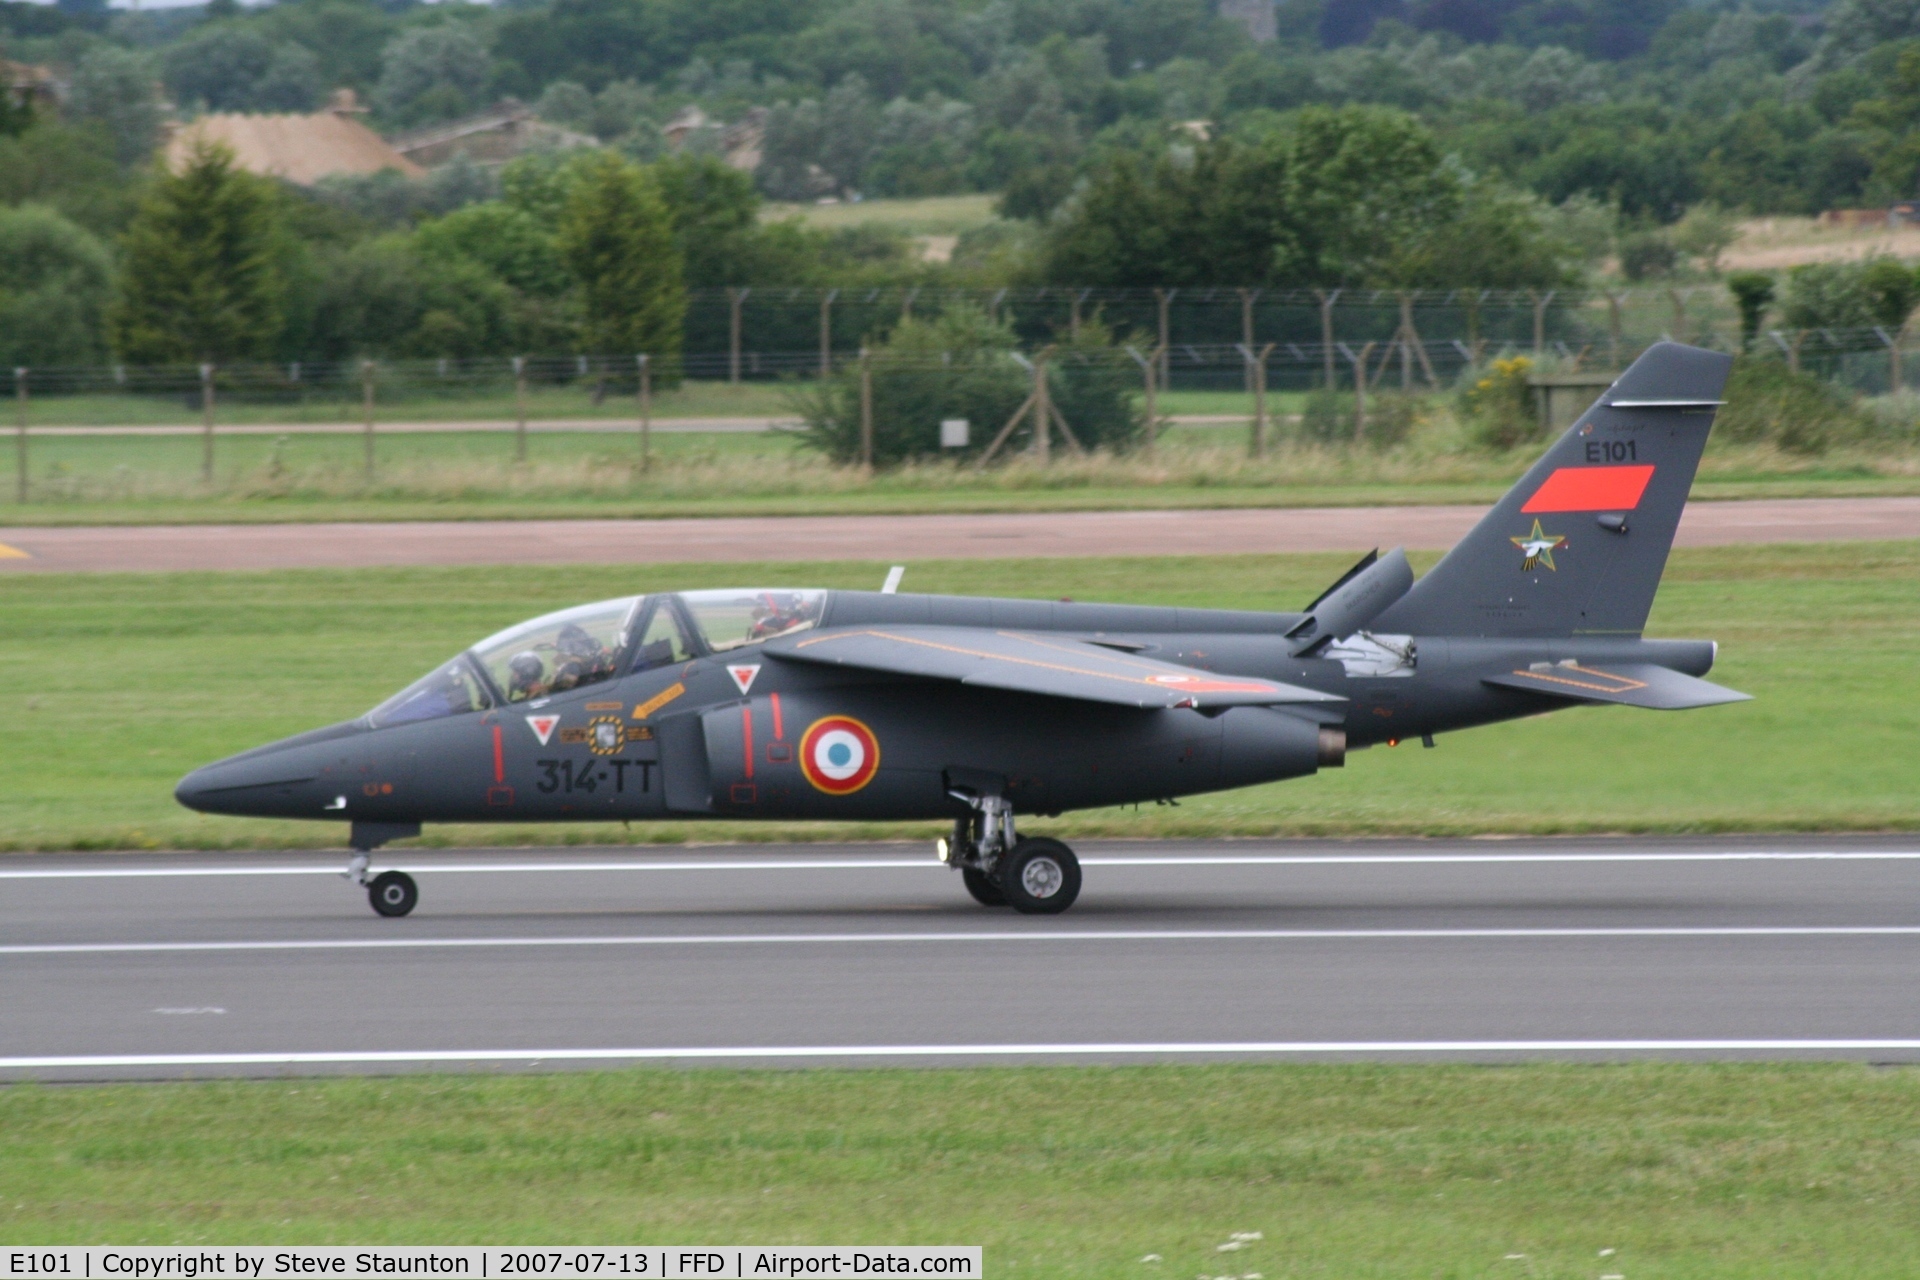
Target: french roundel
{"points": [[839, 755]]}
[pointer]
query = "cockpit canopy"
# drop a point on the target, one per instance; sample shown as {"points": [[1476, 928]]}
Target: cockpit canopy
{"points": [[592, 643]]}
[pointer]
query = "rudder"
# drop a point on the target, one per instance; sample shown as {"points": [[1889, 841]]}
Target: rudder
{"points": [[1579, 544]]}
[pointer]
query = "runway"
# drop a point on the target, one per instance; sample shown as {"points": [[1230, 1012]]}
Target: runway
{"points": [[156, 966], [1048, 535]]}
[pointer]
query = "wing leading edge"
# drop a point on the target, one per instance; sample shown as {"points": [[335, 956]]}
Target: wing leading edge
{"points": [[1053, 666]]}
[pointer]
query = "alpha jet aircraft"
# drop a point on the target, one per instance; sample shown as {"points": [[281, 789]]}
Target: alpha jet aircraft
{"points": [[870, 706]]}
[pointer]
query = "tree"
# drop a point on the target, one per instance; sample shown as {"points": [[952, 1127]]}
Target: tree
{"points": [[1826, 295], [432, 73], [1706, 231], [616, 237], [231, 68], [1892, 290], [202, 278], [385, 298], [715, 213], [1753, 293], [55, 282], [508, 242], [114, 87]]}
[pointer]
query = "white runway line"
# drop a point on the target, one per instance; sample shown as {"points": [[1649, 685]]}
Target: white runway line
{"points": [[1276, 1048], [929, 864], [971, 936]]}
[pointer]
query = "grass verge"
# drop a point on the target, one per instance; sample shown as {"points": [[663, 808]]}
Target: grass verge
{"points": [[1672, 1170], [125, 682], [475, 475]]}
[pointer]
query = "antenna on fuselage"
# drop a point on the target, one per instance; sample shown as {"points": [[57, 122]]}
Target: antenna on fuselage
{"points": [[892, 584]]}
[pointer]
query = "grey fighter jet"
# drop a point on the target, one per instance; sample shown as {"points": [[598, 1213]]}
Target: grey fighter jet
{"points": [[782, 703]]}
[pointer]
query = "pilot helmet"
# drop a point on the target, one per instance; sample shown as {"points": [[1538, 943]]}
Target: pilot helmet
{"points": [[527, 669]]}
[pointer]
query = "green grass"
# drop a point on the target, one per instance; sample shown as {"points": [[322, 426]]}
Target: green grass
{"points": [[424, 404], [122, 683], [923, 215], [457, 475], [1346, 1172]]}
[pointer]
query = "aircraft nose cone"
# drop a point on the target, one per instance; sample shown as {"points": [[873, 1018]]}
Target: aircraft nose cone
{"points": [[267, 782]]}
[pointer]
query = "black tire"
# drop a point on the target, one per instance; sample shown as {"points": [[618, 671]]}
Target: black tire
{"points": [[393, 893], [1040, 877], [982, 887]]}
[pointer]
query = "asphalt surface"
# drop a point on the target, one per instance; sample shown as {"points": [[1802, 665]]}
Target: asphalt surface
{"points": [[896, 537], [115, 966]]}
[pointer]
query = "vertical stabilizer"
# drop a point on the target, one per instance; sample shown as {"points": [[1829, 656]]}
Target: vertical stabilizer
{"points": [[1579, 544]]}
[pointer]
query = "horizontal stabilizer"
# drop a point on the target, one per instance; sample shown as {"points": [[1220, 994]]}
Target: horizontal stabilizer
{"points": [[1055, 666], [1632, 684]]}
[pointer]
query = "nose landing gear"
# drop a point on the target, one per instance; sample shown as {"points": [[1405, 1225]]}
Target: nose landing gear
{"points": [[392, 893]]}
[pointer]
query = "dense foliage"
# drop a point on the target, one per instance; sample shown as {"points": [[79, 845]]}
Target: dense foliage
{"points": [[1374, 143]]}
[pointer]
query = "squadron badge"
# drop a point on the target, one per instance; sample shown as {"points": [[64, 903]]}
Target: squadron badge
{"points": [[1537, 548]]}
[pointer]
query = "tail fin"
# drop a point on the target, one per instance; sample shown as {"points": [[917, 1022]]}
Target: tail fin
{"points": [[1578, 545]]}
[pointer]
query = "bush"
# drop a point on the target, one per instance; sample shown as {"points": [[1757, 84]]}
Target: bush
{"points": [[957, 366], [1769, 403], [961, 365], [1327, 417], [1498, 405], [1647, 255], [1390, 418]]}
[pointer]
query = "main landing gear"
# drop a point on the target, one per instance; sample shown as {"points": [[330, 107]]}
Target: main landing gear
{"points": [[1035, 876], [392, 893]]}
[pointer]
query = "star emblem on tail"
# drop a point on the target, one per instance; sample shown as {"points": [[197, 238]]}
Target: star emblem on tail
{"points": [[1537, 548]]}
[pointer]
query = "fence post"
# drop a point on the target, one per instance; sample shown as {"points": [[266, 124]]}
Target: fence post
{"points": [[1164, 298], [1540, 302], [1326, 335], [1246, 326], [826, 332], [646, 413], [366, 395], [1360, 388], [1259, 371], [1042, 410], [520, 408], [206, 423], [734, 298], [866, 411], [1613, 328], [20, 431]]}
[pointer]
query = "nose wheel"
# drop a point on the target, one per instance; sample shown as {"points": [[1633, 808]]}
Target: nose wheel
{"points": [[393, 893]]}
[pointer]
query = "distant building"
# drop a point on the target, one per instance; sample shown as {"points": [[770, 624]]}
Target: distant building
{"points": [[1257, 16], [301, 149], [490, 137], [30, 86], [739, 143]]}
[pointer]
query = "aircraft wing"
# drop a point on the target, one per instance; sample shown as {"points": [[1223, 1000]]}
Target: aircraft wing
{"points": [[1631, 684], [1053, 665]]}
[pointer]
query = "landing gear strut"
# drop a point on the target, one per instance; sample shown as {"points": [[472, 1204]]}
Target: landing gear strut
{"points": [[1034, 876], [391, 893]]}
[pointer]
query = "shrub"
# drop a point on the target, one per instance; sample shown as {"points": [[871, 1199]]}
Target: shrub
{"points": [[1498, 405], [1769, 403], [957, 366], [1327, 417], [1647, 255], [961, 365]]}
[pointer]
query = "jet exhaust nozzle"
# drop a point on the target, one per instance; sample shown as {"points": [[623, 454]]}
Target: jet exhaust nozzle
{"points": [[1333, 748]]}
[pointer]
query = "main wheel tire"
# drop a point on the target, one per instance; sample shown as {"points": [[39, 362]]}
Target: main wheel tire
{"points": [[393, 893], [983, 888], [1040, 877]]}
